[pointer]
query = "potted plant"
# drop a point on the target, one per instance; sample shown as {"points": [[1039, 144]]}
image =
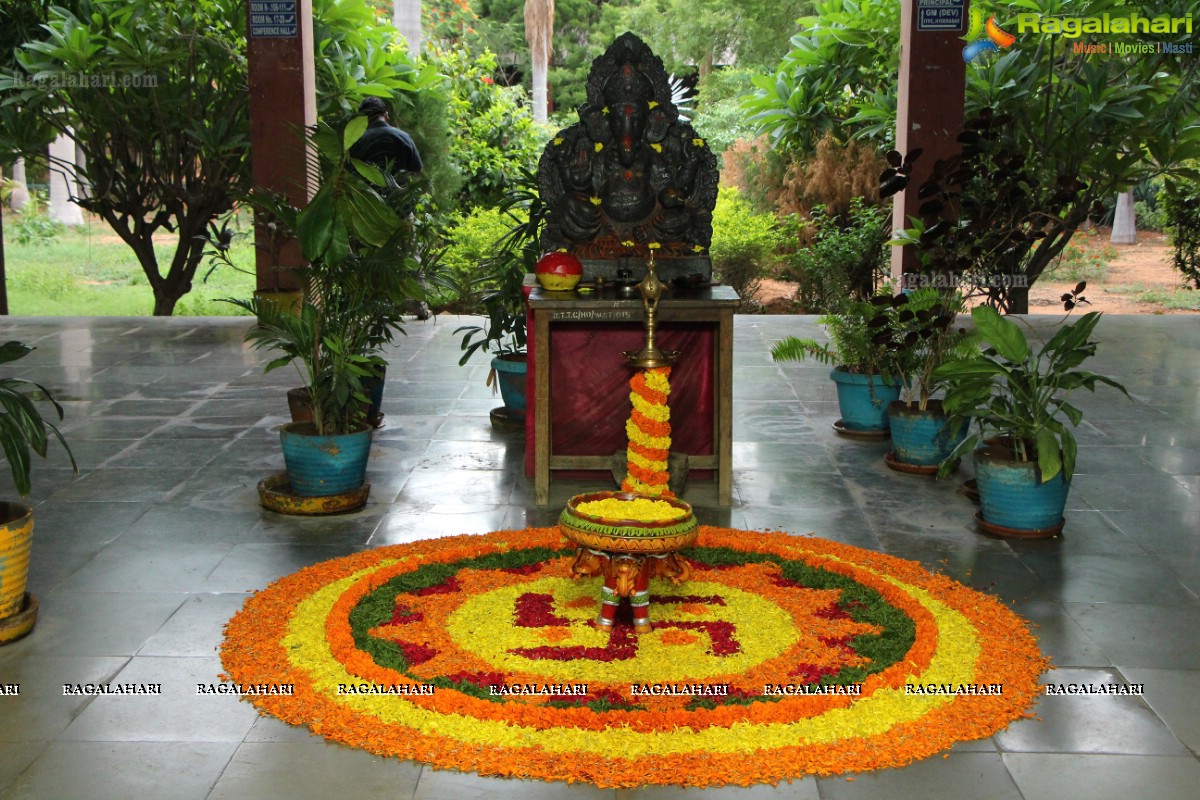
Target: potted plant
{"points": [[925, 338], [23, 430], [861, 345], [1016, 396], [503, 332], [362, 270]]}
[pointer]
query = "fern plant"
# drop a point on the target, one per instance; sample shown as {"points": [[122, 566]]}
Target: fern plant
{"points": [[861, 340]]}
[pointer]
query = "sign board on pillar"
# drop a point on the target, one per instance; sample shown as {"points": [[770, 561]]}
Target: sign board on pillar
{"points": [[283, 102], [940, 15], [929, 100], [274, 19]]}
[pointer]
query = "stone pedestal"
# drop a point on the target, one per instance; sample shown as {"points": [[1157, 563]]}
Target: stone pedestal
{"points": [[62, 182], [1124, 230], [20, 195]]}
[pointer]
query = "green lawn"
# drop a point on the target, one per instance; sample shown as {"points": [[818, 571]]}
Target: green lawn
{"points": [[87, 271], [1174, 299]]}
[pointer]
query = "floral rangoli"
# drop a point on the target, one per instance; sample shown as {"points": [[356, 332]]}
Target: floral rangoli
{"points": [[782, 656]]}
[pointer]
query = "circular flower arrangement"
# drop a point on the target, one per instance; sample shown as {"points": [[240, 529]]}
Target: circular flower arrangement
{"points": [[782, 656]]}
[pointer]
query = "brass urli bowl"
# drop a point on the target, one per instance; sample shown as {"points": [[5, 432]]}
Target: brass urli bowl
{"points": [[627, 535]]}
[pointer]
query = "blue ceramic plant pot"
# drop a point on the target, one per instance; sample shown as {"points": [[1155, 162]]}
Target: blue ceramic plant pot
{"points": [[922, 438], [373, 386], [863, 399], [1011, 494], [319, 466], [511, 375]]}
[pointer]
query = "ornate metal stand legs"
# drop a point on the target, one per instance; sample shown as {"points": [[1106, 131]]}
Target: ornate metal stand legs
{"points": [[628, 576]]}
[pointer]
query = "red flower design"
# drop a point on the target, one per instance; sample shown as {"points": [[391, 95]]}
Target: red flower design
{"points": [[446, 587], [415, 653], [535, 610]]}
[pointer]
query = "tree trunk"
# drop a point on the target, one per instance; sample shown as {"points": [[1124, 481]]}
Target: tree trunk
{"points": [[406, 16], [165, 300], [1018, 300], [539, 34], [539, 92]]}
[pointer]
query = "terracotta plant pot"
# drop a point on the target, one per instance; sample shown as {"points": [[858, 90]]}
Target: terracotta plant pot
{"points": [[300, 404]]}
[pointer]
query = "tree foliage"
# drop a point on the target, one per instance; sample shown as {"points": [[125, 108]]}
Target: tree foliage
{"points": [[842, 63], [1181, 205], [495, 135], [154, 94], [699, 34], [1105, 122], [689, 35]]}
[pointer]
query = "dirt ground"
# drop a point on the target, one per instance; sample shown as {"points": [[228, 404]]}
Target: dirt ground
{"points": [[1146, 265]]}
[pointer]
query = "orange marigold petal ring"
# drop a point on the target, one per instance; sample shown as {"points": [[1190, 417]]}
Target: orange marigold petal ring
{"points": [[770, 657]]}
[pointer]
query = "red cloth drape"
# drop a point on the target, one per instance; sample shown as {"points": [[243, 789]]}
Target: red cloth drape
{"points": [[589, 387]]}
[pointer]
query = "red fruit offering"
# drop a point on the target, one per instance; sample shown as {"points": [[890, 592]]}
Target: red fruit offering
{"points": [[559, 272]]}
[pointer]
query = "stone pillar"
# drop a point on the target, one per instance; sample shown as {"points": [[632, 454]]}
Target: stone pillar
{"points": [[283, 103], [1124, 230], [62, 182], [20, 195], [929, 112], [406, 16]]}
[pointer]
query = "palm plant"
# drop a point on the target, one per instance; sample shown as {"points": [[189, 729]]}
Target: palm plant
{"points": [[503, 275], [363, 268]]}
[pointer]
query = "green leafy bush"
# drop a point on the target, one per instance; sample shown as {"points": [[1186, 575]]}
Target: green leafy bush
{"points": [[495, 136], [33, 225], [1085, 258], [847, 256], [719, 117], [472, 239], [1149, 216], [744, 243], [1180, 200]]}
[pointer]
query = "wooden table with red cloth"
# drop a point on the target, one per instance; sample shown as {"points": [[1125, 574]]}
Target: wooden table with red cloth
{"points": [[583, 423]]}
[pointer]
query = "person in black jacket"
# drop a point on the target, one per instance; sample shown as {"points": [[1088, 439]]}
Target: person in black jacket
{"points": [[393, 151], [384, 145]]}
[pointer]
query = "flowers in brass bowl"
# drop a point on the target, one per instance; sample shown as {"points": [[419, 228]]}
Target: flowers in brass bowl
{"points": [[623, 522]]}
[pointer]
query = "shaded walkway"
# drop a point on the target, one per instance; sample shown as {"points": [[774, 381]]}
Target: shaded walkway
{"points": [[140, 559]]}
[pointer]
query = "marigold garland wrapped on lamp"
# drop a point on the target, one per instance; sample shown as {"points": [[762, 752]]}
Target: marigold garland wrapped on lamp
{"points": [[649, 432]]}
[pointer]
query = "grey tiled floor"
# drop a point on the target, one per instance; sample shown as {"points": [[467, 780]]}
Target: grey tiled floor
{"points": [[140, 558]]}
